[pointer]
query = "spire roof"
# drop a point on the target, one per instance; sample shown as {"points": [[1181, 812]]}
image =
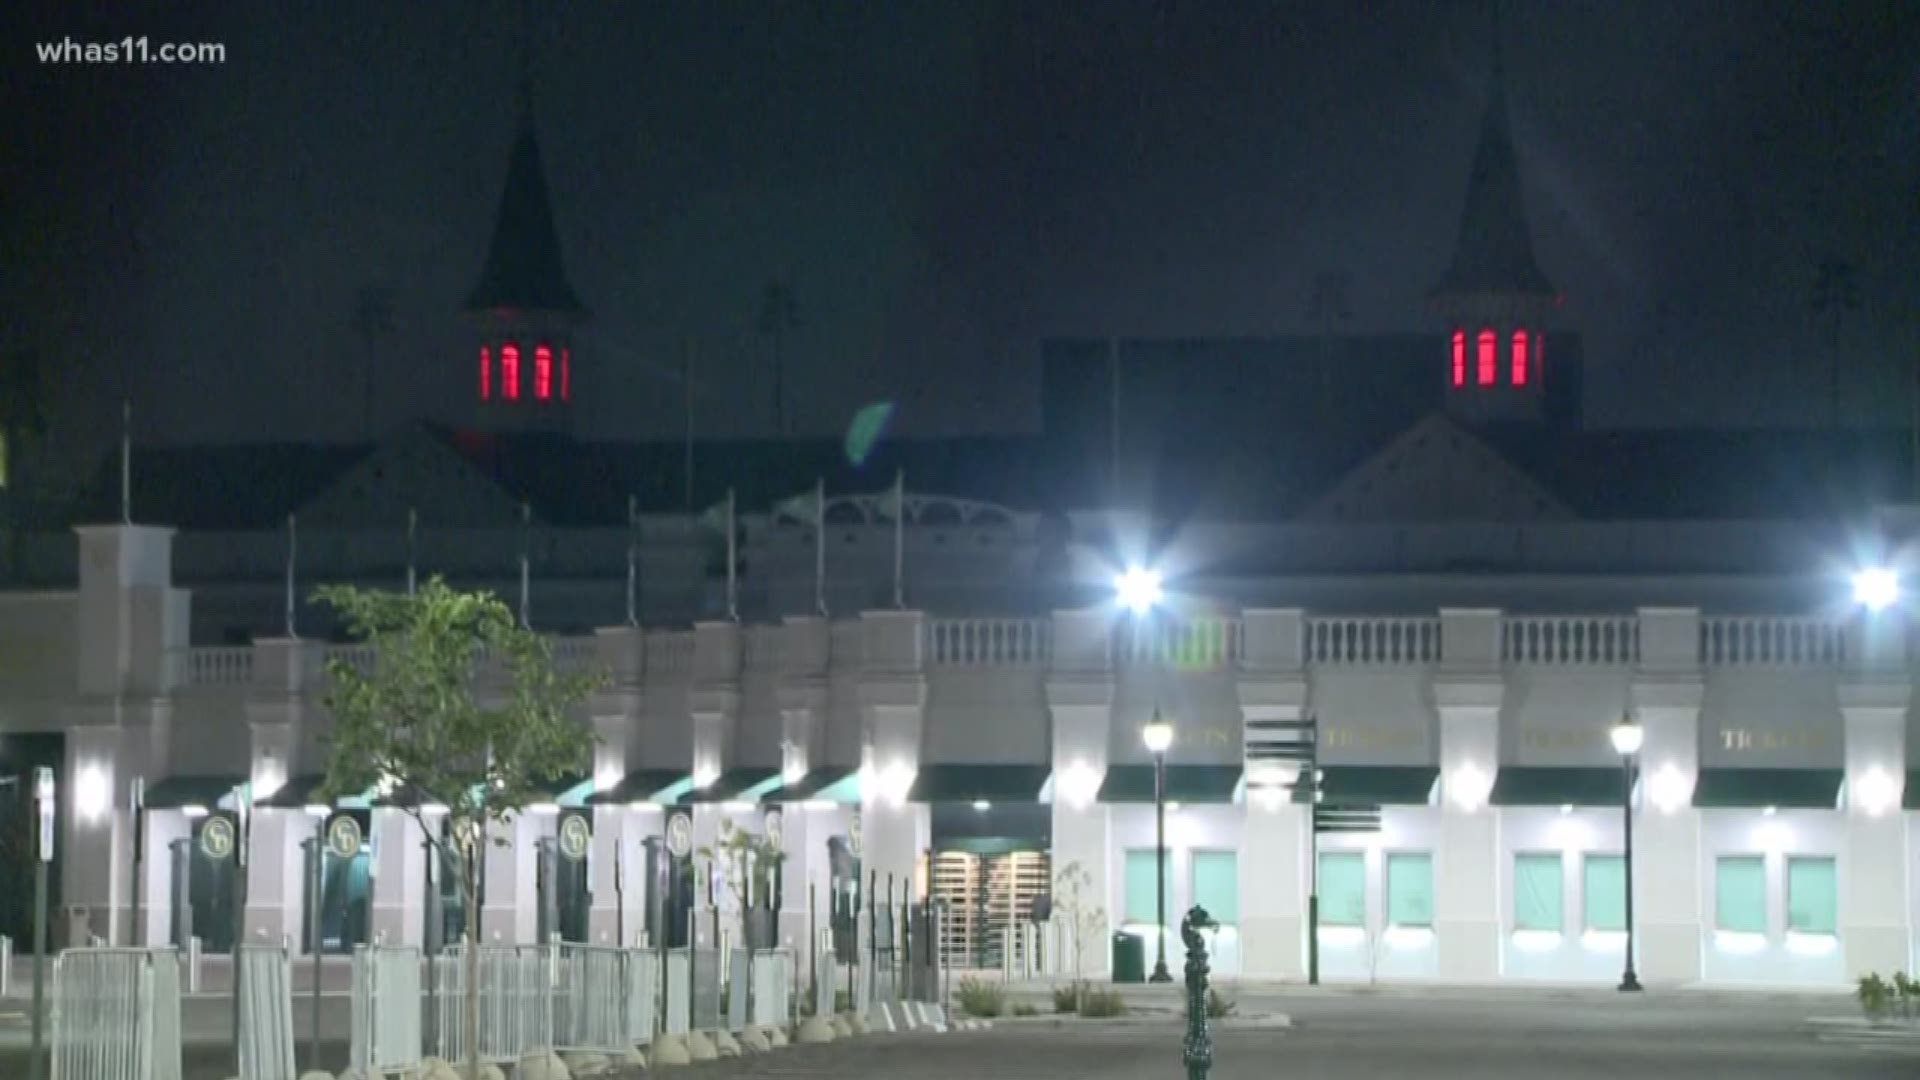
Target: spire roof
{"points": [[1494, 252], [524, 271]]}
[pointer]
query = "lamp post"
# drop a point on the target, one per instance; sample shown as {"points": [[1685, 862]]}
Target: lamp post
{"points": [[1627, 737], [1158, 735]]}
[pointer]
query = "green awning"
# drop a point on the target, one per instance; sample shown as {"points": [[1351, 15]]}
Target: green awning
{"points": [[179, 791], [641, 785], [734, 784], [1185, 783], [1522, 786], [298, 792], [968, 783], [818, 784], [1751, 789], [1378, 785]]}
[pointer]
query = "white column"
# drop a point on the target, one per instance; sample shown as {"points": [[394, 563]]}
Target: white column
{"points": [[511, 915], [1467, 694], [1080, 695], [803, 701], [399, 871], [287, 680], [1873, 880], [1273, 848], [893, 698], [616, 707], [1669, 893]]}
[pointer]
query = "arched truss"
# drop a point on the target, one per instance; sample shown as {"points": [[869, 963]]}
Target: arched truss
{"points": [[932, 511]]}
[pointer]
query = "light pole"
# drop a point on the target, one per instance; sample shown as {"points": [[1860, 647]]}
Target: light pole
{"points": [[1627, 737], [43, 796], [1158, 735]]}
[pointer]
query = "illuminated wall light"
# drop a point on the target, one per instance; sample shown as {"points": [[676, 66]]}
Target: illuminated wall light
{"points": [[819, 804], [268, 778], [705, 776], [1270, 799], [982, 805], [897, 782], [1802, 944], [1604, 940], [544, 808], [92, 795], [1536, 940], [1669, 788], [1343, 935], [1739, 942], [194, 811], [1468, 787], [795, 771], [1772, 836], [1876, 588], [1079, 785], [317, 810], [1875, 792], [1409, 937], [1138, 589], [735, 807], [433, 809], [607, 778]]}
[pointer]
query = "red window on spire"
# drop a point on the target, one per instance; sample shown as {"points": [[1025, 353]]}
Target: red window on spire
{"points": [[510, 372], [1487, 349], [566, 373], [542, 372], [486, 373], [1519, 358], [1459, 358]]}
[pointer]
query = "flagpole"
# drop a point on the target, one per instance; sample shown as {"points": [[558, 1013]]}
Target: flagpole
{"points": [[413, 524], [686, 387], [293, 554], [899, 538], [126, 462], [733, 607], [633, 561], [820, 546], [526, 560]]}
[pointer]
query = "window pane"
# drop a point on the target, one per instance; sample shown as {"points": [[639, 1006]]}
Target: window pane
{"points": [[1603, 892], [1141, 899], [1536, 892], [1410, 889], [1812, 898], [1740, 894], [1216, 885], [1343, 888]]}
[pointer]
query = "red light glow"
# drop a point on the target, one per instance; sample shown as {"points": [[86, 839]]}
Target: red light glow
{"points": [[1519, 358], [510, 372], [486, 373], [1487, 348], [1459, 358], [542, 372]]}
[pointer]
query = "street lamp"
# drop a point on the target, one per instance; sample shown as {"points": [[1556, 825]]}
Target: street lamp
{"points": [[1158, 735], [1627, 737], [1876, 588], [1139, 589]]}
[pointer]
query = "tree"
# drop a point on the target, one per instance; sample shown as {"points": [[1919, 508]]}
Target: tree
{"points": [[416, 727], [749, 863], [1072, 886]]}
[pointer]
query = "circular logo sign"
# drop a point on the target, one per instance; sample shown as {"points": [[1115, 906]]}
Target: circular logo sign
{"points": [[216, 838], [343, 836], [575, 835], [853, 836], [679, 835], [773, 826]]}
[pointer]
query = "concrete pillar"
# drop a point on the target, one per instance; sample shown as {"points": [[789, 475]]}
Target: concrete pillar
{"points": [[1468, 690], [713, 701], [1668, 894], [803, 699], [131, 636], [1874, 906], [399, 872], [893, 698], [288, 683], [1080, 695], [616, 711], [1273, 849], [511, 915]]}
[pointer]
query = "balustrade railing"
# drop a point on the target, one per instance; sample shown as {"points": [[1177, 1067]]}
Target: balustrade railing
{"points": [[575, 652], [221, 666], [761, 647], [669, 652], [990, 642], [1770, 640], [1571, 639], [1185, 643], [1373, 641]]}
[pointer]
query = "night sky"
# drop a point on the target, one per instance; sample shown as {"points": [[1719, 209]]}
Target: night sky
{"points": [[941, 186]]}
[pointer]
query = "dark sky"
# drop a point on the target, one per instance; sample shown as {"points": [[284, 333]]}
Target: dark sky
{"points": [[942, 184]]}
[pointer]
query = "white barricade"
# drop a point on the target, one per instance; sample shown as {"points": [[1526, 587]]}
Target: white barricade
{"points": [[516, 1002], [772, 976], [193, 965], [386, 1009], [739, 987], [706, 989], [6, 965], [116, 1015], [642, 995], [678, 999], [590, 998], [266, 1013]]}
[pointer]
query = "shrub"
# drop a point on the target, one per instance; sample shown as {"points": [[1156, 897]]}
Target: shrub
{"points": [[1874, 994], [842, 1001], [1066, 999], [1907, 991], [1025, 1009], [1100, 1003], [981, 999], [1218, 1007]]}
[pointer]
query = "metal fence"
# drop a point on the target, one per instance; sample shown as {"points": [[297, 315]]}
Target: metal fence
{"points": [[116, 1015], [516, 1001], [386, 1009], [266, 1013], [678, 1000], [589, 998], [642, 995], [706, 989]]}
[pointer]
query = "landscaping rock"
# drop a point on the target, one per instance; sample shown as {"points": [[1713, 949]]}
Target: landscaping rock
{"points": [[841, 1029], [753, 1040], [725, 1044], [858, 1023], [633, 1059], [585, 1064], [671, 1050], [542, 1065], [816, 1029], [776, 1035], [700, 1047], [316, 1074]]}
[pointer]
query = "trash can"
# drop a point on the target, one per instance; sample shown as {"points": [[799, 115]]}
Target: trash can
{"points": [[1129, 958]]}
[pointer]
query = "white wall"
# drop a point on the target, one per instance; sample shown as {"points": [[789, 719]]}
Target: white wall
{"points": [[1769, 960], [1189, 829], [1371, 953], [985, 716], [1575, 955]]}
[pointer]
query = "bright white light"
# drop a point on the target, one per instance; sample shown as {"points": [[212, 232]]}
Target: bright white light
{"points": [[269, 779], [1157, 734], [642, 804], [1274, 774], [316, 810], [433, 809], [794, 772], [1772, 836], [389, 781], [1343, 935], [1536, 940], [1270, 798], [544, 808], [1468, 787], [704, 776], [1770, 811], [90, 795], [1172, 807], [1603, 940], [194, 811], [1739, 941], [735, 807], [1409, 937], [606, 779], [1079, 785], [1669, 788], [1565, 809], [896, 782], [1139, 589], [1810, 944], [1875, 792], [982, 805], [1876, 588], [819, 804], [1627, 736]]}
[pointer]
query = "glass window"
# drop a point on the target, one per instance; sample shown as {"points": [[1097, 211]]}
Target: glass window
{"points": [[1488, 345], [1343, 888], [1519, 358], [1603, 892], [1740, 894], [1812, 898], [1536, 892], [1216, 885], [1459, 358], [1143, 877], [1410, 889]]}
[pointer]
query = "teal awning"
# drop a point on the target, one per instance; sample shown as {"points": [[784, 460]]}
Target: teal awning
{"points": [[819, 784], [1378, 785], [1751, 789], [1185, 783], [641, 785], [968, 783], [734, 784], [1527, 786], [179, 791]]}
